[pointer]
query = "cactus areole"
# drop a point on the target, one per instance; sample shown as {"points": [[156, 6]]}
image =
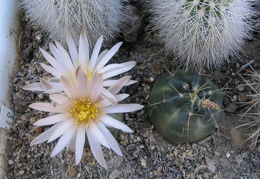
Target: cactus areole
{"points": [[185, 106]]}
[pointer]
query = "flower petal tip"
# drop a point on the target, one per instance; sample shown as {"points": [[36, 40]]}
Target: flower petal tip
{"points": [[32, 143]]}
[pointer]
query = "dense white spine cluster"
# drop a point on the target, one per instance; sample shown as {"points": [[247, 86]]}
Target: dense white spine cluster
{"points": [[201, 32], [57, 17]]}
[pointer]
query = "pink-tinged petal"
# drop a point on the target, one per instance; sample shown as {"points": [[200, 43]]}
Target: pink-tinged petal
{"points": [[111, 67], [71, 144], [95, 87], [65, 57], [94, 56], [68, 86], [107, 95], [51, 120], [51, 70], [108, 83], [129, 63], [48, 107], [119, 97], [106, 119], [63, 141], [33, 87], [122, 108], [53, 80], [119, 85], [108, 56], [60, 99], [56, 55], [96, 148], [100, 56], [83, 49], [50, 83], [130, 82], [124, 67], [81, 83], [46, 84], [116, 72], [109, 137], [45, 135], [72, 49], [57, 88], [61, 130], [80, 142], [98, 135], [93, 79], [54, 63]]}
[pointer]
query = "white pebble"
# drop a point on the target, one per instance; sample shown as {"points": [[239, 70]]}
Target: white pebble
{"points": [[228, 154], [143, 163], [10, 162]]}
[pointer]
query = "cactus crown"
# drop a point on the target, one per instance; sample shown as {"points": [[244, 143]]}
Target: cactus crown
{"points": [[187, 106], [207, 11]]}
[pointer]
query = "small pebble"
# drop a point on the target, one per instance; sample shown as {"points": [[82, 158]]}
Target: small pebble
{"points": [[240, 88], [27, 82], [217, 154], [72, 172], [40, 95], [22, 172], [10, 162], [143, 163], [239, 159], [228, 154], [141, 146], [122, 142]]}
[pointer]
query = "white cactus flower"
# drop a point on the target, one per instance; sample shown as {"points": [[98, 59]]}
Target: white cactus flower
{"points": [[82, 112]]}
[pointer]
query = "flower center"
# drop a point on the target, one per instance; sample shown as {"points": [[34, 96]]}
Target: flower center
{"points": [[83, 110]]}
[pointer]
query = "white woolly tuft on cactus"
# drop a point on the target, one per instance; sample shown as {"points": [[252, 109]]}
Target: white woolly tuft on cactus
{"points": [[201, 32], [57, 17]]}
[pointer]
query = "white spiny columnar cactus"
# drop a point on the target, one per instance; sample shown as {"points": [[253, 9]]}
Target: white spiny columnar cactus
{"points": [[97, 17], [201, 32]]}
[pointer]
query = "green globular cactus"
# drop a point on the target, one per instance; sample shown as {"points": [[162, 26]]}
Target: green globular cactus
{"points": [[186, 106]]}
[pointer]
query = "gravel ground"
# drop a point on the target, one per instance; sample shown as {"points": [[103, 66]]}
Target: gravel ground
{"points": [[146, 153]]}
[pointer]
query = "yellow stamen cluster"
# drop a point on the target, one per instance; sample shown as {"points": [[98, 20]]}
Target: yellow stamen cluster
{"points": [[82, 111]]}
